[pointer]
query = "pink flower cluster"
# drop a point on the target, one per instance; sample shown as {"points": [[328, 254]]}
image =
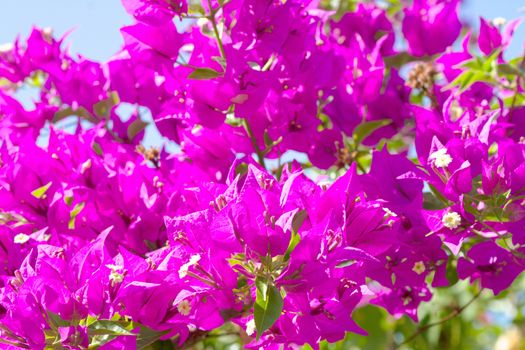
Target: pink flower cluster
{"points": [[106, 243]]}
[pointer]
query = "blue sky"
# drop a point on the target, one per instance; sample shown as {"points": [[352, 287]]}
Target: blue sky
{"points": [[97, 22]]}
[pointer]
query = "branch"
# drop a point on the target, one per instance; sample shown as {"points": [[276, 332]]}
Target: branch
{"points": [[211, 17], [450, 316], [260, 155]]}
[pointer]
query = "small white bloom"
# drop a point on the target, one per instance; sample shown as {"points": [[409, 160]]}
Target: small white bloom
{"points": [[419, 267], [159, 80], [21, 238], [389, 212], [116, 275], [6, 47], [499, 21], [85, 166], [441, 158], [250, 327], [183, 270], [194, 259], [451, 220], [184, 308]]}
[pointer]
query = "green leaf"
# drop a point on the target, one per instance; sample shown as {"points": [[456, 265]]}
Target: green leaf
{"points": [[109, 327], [467, 79], [451, 272], [294, 241], [41, 191], [88, 321], [97, 148], [241, 169], [439, 195], [507, 69], [56, 321], [491, 61], [298, 220], [399, 59], [366, 128], [478, 70], [431, 202], [267, 140], [148, 336], [268, 305], [135, 128], [68, 200], [203, 74], [220, 60], [73, 214], [102, 108], [295, 238]]}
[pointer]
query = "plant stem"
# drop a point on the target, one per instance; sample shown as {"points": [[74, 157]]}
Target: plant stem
{"points": [[260, 156], [450, 316], [211, 17]]}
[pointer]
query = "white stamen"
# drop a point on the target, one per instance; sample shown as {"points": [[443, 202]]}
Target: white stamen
{"points": [[451, 220], [21, 238], [499, 21], [116, 275], [183, 270], [250, 327], [184, 308], [441, 158], [419, 267]]}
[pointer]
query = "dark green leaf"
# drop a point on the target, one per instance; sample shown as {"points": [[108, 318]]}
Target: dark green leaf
{"points": [[97, 149], [68, 112], [203, 74], [267, 140], [439, 195], [507, 69], [135, 128], [148, 336], [452, 273], [430, 202], [298, 220], [366, 128], [56, 321], [268, 305], [102, 108], [399, 59], [220, 60], [241, 169]]}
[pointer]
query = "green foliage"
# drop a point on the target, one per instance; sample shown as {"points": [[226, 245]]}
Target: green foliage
{"points": [[203, 74], [74, 213], [366, 128], [268, 305], [41, 191]]}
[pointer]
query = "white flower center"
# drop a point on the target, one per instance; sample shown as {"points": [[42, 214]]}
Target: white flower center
{"points": [[21, 238], [116, 275], [183, 270], [250, 327], [184, 308], [419, 267], [441, 158], [451, 220], [499, 21], [6, 47]]}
